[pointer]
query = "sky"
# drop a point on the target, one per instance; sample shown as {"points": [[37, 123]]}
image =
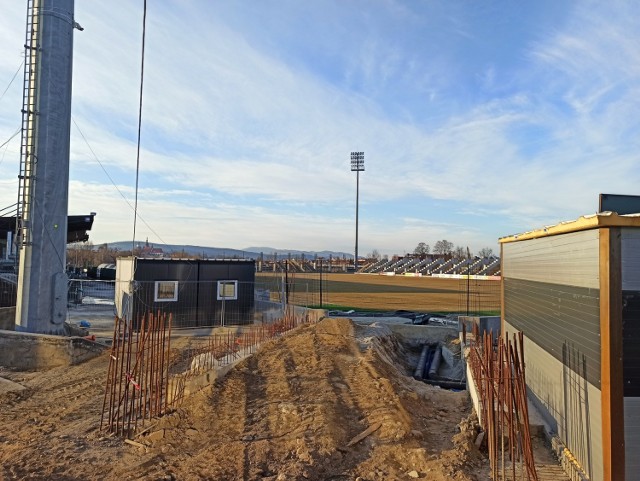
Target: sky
{"points": [[478, 120]]}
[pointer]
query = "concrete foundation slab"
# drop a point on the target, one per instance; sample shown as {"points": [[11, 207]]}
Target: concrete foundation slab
{"points": [[32, 352], [185, 385], [412, 332], [8, 318]]}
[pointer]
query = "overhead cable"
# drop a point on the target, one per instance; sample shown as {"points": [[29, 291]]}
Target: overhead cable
{"points": [[12, 79], [135, 207], [112, 181]]}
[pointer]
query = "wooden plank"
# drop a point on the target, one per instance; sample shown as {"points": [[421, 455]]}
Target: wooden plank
{"points": [[611, 355], [370, 430], [135, 443]]}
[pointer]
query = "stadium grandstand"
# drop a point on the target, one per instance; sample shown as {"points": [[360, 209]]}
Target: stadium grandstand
{"points": [[425, 265]]}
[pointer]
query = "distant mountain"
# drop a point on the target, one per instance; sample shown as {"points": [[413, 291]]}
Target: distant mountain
{"points": [[210, 252], [222, 252], [283, 253]]}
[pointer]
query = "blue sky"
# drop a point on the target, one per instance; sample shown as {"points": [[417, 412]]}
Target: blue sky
{"points": [[477, 119]]}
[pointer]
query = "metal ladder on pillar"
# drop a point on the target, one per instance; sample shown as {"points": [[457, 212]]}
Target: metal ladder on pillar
{"points": [[28, 159]]}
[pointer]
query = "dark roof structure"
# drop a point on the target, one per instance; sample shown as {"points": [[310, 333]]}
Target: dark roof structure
{"points": [[77, 227]]}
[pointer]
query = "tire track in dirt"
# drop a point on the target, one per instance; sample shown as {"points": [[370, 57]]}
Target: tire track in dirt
{"points": [[374, 397], [336, 417], [289, 414], [256, 424], [55, 406], [226, 423], [362, 379]]}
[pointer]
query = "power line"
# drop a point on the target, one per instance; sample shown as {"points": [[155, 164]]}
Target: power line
{"points": [[12, 79], [135, 208], [113, 182], [11, 138]]}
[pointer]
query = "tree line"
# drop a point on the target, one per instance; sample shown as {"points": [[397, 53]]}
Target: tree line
{"points": [[442, 247], [445, 247]]}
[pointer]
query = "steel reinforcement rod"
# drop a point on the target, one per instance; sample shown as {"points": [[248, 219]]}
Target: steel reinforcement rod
{"points": [[137, 378], [498, 372]]}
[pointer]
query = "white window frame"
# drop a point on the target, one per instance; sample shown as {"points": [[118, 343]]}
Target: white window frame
{"points": [[165, 299], [224, 297]]}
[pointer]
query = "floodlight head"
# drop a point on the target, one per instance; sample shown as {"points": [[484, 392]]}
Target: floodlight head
{"points": [[357, 161]]}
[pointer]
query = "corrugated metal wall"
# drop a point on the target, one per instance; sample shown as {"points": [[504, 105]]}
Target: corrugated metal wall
{"points": [[631, 350], [551, 293]]}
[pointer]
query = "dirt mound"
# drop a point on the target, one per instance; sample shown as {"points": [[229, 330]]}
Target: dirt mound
{"points": [[330, 401]]}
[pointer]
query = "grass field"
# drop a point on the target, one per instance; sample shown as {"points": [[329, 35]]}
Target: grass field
{"points": [[386, 293]]}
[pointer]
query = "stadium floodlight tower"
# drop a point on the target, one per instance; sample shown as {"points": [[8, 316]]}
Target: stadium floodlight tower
{"points": [[357, 166], [41, 304]]}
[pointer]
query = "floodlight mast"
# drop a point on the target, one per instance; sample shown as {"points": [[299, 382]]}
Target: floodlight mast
{"points": [[357, 166], [43, 187]]}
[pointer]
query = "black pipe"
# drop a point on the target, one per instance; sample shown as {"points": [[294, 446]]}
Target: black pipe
{"points": [[446, 384], [428, 362], [435, 364], [419, 373]]}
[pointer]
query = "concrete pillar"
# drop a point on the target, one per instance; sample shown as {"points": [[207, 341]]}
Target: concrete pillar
{"points": [[42, 285]]}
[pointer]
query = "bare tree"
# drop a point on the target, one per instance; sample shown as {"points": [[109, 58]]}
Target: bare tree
{"points": [[460, 252], [422, 249], [443, 247], [374, 254], [87, 255], [485, 252]]}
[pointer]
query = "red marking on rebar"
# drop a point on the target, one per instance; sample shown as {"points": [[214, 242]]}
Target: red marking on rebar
{"points": [[132, 381]]}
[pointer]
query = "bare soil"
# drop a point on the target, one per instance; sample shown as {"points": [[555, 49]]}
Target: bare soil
{"points": [[330, 401]]}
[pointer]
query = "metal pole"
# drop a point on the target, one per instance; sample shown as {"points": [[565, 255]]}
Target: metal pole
{"points": [[357, 165], [468, 278], [286, 283], [355, 260], [320, 284]]}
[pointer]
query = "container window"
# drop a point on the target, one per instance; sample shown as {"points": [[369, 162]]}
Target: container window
{"points": [[166, 291], [227, 290]]}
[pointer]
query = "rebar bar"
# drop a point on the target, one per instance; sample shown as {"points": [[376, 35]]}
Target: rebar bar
{"points": [[137, 385], [499, 375]]}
